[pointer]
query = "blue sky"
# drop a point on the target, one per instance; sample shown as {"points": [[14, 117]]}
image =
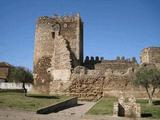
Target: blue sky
{"points": [[111, 27]]}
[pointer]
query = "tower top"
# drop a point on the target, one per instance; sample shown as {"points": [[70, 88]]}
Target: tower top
{"points": [[57, 18]]}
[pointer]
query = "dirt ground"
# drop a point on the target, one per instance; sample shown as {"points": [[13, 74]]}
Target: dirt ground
{"points": [[74, 113]]}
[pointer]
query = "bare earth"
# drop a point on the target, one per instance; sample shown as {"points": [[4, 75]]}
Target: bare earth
{"points": [[74, 113]]}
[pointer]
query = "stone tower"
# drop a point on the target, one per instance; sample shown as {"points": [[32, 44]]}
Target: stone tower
{"points": [[150, 55], [58, 49]]}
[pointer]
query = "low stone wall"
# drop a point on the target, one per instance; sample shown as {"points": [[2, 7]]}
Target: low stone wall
{"points": [[16, 86], [59, 106], [128, 108]]}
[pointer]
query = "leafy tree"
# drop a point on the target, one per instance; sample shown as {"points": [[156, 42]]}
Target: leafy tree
{"points": [[149, 78], [20, 74]]}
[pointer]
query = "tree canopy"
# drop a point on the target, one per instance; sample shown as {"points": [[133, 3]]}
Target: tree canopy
{"points": [[149, 78], [20, 74]]}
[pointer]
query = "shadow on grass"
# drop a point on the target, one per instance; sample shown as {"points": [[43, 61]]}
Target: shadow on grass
{"points": [[43, 97], [146, 115], [156, 102]]}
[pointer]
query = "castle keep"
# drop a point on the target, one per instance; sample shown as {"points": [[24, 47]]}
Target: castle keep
{"points": [[59, 67], [58, 49], [150, 55]]}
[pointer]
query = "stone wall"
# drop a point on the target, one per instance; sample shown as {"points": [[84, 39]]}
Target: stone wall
{"points": [[120, 64], [42, 78], [150, 55], [128, 108], [114, 65], [58, 49], [70, 27], [87, 86], [58, 52], [93, 84]]}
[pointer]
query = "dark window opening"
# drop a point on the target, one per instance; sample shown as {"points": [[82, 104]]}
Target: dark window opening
{"points": [[53, 35]]}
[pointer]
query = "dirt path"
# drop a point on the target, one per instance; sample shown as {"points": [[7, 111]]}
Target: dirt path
{"points": [[74, 113]]}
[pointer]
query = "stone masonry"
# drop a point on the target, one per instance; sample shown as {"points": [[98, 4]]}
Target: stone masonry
{"points": [[151, 55], [58, 49], [59, 67], [127, 109]]}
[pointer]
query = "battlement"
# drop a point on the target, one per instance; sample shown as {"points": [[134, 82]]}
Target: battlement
{"points": [[100, 63], [89, 62], [150, 48], [122, 59], [57, 18]]}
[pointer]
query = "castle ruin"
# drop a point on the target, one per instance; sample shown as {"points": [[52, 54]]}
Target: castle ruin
{"points": [[59, 67], [58, 49]]}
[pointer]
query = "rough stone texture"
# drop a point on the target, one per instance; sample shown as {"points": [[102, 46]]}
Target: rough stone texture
{"points": [[150, 55], [87, 87], [86, 84], [60, 62], [127, 109], [116, 65], [58, 49], [119, 64], [41, 77]]}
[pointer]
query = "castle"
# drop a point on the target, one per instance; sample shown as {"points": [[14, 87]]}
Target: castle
{"points": [[59, 67]]}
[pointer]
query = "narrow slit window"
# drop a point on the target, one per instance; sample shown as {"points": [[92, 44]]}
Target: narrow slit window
{"points": [[53, 35]]}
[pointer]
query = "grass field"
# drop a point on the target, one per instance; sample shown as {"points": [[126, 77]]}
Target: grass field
{"points": [[154, 109], [32, 102], [105, 107]]}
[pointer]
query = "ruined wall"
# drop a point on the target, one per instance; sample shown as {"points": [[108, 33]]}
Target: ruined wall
{"points": [[71, 28], [58, 49], [115, 65], [120, 64], [41, 77], [86, 86], [93, 84]]}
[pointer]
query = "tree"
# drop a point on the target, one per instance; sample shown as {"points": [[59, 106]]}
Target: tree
{"points": [[149, 78], [20, 74]]}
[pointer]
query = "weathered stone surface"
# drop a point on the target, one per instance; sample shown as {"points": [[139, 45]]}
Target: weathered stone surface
{"points": [[61, 61], [150, 55], [41, 77], [59, 54], [87, 87], [58, 49], [127, 109]]}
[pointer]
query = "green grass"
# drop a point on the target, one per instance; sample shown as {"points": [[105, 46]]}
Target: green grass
{"points": [[103, 107], [19, 101], [152, 109]]}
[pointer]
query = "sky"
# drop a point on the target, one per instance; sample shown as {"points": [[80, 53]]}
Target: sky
{"points": [[111, 27]]}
